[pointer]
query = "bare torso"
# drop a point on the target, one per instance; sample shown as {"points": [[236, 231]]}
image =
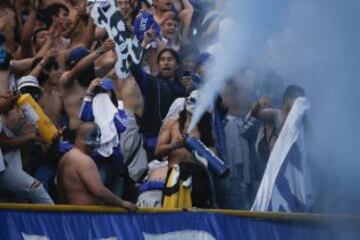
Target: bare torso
{"points": [[52, 105], [72, 99], [129, 92], [69, 181], [180, 155]]}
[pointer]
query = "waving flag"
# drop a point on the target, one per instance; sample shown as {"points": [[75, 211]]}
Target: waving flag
{"points": [[285, 185], [106, 15]]}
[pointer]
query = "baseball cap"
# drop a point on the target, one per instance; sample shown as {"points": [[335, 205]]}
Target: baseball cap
{"points": [[29, 84]]}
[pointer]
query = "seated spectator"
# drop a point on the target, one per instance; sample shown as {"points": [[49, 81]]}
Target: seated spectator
{"points": [[78, 177]]}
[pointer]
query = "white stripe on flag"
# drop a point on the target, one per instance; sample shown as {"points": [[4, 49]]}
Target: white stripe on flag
{"points": [[287, 137]]}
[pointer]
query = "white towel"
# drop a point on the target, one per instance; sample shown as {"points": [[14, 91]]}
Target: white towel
{"points": [[176, 107], [104, 112]]}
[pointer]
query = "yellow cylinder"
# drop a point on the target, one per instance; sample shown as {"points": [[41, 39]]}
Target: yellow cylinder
{"points": [[36, 115]]}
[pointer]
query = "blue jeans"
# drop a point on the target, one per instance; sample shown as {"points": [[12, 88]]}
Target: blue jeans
{"points": [[23, 185]]}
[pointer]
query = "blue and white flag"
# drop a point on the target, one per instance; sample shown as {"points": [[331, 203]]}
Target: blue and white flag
{"points": [[106, 15], [285, 185]]}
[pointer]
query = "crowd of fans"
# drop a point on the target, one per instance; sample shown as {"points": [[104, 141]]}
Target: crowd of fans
{"points": [[119, 140]]}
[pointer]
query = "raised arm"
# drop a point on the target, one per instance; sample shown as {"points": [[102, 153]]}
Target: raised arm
{"points": [[86, 112], [40, 66], [54, 33], [141, 77], [186, 16], [261, 111], [26, 35], [89, 32], [22, 66], [71, 75]]}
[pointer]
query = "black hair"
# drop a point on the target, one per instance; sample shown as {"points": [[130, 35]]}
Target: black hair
{"points": [[53, 10], [293, 91], [170, 50], [86, 76], [34, 35], [204, 126]]}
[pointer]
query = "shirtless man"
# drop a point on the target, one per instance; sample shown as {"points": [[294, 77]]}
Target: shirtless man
{"points": [[276, 117], [46, 74], [171, 144], [78, 176], [72, 91]]}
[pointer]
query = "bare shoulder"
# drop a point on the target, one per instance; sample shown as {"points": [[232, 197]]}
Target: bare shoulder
{"points": [[75, 156], [169, 123]]}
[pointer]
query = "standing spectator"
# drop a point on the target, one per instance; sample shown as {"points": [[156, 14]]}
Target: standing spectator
{"points": [[13, 178], [73, 83], [158, 93], [171, 144]]}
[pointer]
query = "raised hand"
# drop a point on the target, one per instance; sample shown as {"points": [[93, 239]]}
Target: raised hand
{"points": [[96, 82], [52, 53], [106, 46], [81, 10], [55, 29]]}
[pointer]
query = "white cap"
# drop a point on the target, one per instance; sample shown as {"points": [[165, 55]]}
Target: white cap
{"points": [[28, 81]]}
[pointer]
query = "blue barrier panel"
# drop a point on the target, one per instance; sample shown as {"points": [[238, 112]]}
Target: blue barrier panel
{"points": [[55, 224]]}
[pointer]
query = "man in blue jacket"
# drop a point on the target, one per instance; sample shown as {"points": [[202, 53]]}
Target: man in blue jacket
{"points": [[159, 92]]}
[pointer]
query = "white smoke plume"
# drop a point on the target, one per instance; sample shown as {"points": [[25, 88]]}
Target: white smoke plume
{"points": [[315, 44], [246, 27]]}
